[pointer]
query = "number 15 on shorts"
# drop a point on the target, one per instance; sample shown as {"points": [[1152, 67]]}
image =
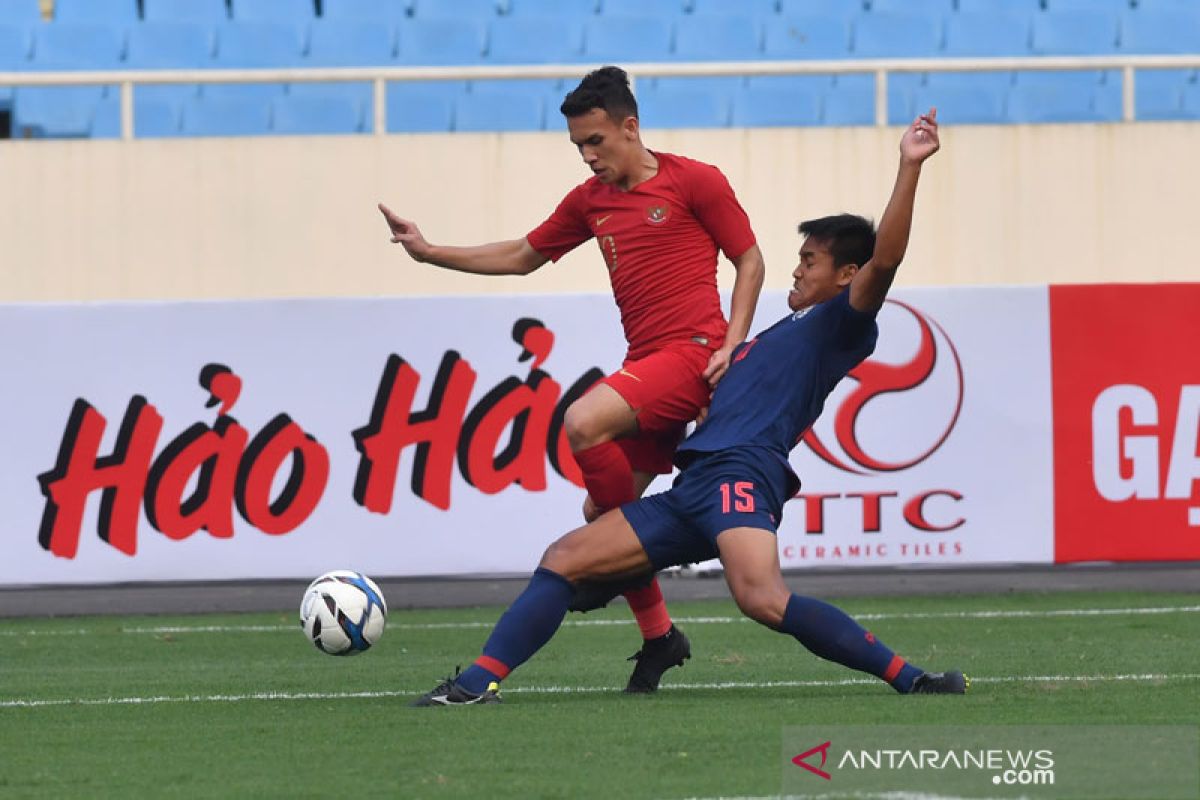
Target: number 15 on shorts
{"points": [[738, 496]]}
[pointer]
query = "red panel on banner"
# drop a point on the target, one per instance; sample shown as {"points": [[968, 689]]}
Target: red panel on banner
{"points": [[1126, 383]]}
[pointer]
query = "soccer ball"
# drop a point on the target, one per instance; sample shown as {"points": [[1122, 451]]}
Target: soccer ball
{"points": [[343, 612]]}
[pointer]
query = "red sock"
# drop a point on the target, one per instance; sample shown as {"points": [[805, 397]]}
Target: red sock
{"points": [[649, 610], [606, 474]]}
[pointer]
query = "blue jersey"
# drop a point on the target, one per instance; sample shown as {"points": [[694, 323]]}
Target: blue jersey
{"points": [[777, 384]]}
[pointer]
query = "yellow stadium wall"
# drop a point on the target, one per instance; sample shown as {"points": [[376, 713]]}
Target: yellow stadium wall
{"points": [[287, 217]]}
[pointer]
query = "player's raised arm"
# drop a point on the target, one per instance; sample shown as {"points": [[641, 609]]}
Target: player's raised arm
{"points": [[512, 257], [871, 283]]}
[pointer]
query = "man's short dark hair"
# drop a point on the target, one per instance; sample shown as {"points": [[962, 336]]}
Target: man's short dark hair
{"points": [[850, 238], [606, 88]]}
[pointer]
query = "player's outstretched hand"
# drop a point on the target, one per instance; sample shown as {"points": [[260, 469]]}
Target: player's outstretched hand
{"points": [[718, 365], [921, 139], [407, 233]]}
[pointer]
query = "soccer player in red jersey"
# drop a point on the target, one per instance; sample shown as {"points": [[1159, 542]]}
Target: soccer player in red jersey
{"points": [[659, 220]]}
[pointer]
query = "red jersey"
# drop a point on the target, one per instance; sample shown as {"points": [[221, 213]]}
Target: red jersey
{"points": [[660, 242]]}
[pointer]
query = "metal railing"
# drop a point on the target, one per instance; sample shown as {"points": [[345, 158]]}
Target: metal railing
{"points": [[380, 76]]}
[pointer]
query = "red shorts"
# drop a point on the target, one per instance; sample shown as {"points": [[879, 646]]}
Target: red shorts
{"points": [[667, 390]]}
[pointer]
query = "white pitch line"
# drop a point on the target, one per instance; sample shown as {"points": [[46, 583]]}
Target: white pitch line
{"points": [[678, 687], [588, 623]]}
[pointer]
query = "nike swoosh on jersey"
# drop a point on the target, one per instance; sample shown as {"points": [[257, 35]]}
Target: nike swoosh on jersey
{"points": [[630, 374], [601, 220]]}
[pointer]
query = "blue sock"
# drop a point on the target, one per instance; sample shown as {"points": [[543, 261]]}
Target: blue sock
{"points": [[831, 634], [523, 630]]}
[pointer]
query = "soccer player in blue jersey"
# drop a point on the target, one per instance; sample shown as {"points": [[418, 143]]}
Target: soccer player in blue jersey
{"points": [[728, 499]]}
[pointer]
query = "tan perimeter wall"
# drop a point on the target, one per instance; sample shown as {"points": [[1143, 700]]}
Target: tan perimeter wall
{"points": [[285, 217]]}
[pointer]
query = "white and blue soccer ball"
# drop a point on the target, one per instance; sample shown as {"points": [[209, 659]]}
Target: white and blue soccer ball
{"points": [[343, 612]]}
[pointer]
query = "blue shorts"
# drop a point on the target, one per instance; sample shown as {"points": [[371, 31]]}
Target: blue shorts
{"points": [[743, 488]]}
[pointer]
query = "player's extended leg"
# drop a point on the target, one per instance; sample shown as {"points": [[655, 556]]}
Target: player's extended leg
{"points": [[606, 548], [592, 424], [751, 560]]}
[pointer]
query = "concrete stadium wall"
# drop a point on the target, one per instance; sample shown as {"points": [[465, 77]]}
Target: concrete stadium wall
{"points": [[288, 217]]}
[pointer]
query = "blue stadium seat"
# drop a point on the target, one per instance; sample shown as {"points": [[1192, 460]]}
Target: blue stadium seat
{"points": [[824, 8], [1190, 107], [884, 35], [929, 8], [482, 10], [743, 8], [54, 112], [982, 34], [211, 12], [225, 116], [420, 108], [1158, 93], [616, 40], [1166, 32], [803, 38], [380, 10], [119, 12], [533, 40], [851, 104], [295, 11], [962, 104], [1104, 6], [770, 107], [20, 12], [663, 9], [169, 45], [315, 115], [15, 46], [87, 45], [61, 47], [1048, 103], [1014, 7], [729, 38], [499, 111], [1166, 5], [350, 42], [684, 108], [1074, 32], [347, 42], [698, 38], [254, 45], [441, 41], [571, 9], [152, 119]]}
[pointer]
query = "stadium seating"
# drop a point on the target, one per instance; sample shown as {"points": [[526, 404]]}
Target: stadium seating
{"points": [[225, 116], [421, 108], [259, 45], [802, 8], [776, 106], [15, 46], [117, 12], [619, 40], [20, 12], [483, 10], [169, 45], [743, 8], [316, 115], [696, 38], [183, 34], [66, 111], [212, 12], [684, 108], [499, 111], [573, 9], [385, 11]]}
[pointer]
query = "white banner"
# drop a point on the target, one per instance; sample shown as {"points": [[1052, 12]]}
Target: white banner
{"points": [[195, 441]]}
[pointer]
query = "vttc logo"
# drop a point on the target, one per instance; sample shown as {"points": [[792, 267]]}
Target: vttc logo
{"points": [[890, 414], [899, 390]]}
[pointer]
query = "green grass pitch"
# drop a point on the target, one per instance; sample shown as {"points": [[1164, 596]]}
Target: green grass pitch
{"points": [[243, 706]]}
